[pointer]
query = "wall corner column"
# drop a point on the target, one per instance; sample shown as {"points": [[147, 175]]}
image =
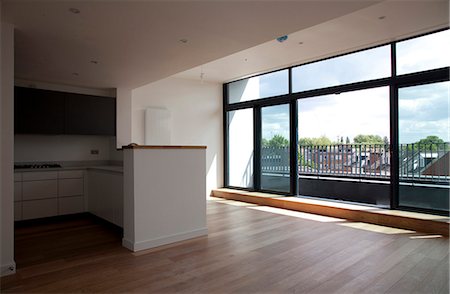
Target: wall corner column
{"points": [[123, 117]]}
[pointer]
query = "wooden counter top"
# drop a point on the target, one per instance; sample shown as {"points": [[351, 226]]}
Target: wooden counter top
{"points": [[163, 147]]}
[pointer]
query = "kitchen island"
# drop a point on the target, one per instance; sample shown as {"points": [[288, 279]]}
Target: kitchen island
{"points": [[164, 195]]}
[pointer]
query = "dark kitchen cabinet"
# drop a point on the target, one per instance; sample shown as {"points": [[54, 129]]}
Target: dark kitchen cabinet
{"points": [[38, 111], [51, 112], [90, 115]]}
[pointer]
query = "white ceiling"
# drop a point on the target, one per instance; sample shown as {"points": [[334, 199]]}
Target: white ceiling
{"points": [[357, 30], [137, 42]]}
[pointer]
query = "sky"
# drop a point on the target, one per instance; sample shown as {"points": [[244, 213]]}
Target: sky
{"points": [[423, 110]]}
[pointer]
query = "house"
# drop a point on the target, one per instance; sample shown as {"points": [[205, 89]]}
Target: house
{"points": [[176, 56]]}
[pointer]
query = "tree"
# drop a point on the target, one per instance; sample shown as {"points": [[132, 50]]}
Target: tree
{"points": [[430, 140], [347, 140], [368, 139], [386, 140], [322, 140], [432, 143], [277, 141]]}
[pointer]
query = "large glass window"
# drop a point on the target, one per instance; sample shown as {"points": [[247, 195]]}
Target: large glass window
{"points": [[424, 146], [275, 155], [423, 53], [356, 67], [268, 85], [344, 136], [240, 148], [347, 146]]}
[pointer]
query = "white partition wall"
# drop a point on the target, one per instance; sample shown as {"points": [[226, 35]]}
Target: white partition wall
{"points": [[164, 195]]}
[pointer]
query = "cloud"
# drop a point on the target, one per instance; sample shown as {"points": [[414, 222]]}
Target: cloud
{"points": [[347, 114], [427, 52]]}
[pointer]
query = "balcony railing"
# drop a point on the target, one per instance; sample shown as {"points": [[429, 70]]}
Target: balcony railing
{"points": [[349, 160], [427, 163]]}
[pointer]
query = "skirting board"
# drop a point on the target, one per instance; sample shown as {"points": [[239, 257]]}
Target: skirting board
{"points": [[147, 244], [8, 269]]}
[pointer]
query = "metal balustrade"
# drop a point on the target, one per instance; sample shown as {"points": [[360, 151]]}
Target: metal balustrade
{"points": [[427, 163]]}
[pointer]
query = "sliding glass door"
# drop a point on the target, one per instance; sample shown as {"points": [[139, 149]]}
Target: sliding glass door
{"points": [[275, 149], [424, 146]]}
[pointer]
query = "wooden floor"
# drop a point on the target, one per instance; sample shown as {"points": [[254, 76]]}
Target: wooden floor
{"points": [[249, 249]]}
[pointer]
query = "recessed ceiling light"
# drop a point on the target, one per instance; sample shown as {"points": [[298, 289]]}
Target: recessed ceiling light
{"points": [[184, 41], [75, 74], [74, 10], [94, 61], [300, 43], [382, 17], [282, 38]]}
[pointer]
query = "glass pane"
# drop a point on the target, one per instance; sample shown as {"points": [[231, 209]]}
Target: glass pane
{"points": [[355, 67], [423, 53], [240, 148], [344, 139], [275, 160], [424, 146], [263, 86]]}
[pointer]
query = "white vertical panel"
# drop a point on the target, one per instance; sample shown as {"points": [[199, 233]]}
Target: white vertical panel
{"points": [[157, 126]]}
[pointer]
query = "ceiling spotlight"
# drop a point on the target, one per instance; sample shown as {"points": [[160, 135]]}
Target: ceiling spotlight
{"points": [[382, 17], [94, 61], [300, 43], [74, 10], [75, 74], [184, 41], [282, 38]]}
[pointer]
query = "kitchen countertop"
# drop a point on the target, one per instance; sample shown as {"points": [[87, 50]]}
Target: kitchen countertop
{"points": [[112, 168]]}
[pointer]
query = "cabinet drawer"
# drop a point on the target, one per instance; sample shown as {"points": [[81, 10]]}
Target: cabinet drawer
{"points": [[17, 191], [36, 176], [69, 205], [39, 208], [17, 177], [17, 211], [70, 187], [70, 174], [39, 189]]}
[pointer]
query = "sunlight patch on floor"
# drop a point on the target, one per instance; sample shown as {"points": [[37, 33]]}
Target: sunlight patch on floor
{"points": [[426, 237], [303, 215], [376, 228], [232, 202]]}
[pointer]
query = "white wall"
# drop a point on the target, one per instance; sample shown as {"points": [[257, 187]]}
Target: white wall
{"points": [[7, 147], [123, 117], [196, 118], [30, 148], [114, 153]]}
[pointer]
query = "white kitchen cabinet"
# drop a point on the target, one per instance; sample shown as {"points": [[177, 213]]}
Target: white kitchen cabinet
{"points": [[32, 190], [105, 190], [17, 191], [70, 187], [41, 175], [71, 174], [17, 177], [40, 194], [70, 205], [17, 211], [39, 208]]}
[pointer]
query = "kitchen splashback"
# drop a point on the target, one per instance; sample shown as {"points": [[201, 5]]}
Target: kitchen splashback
{"points": [[50, 148]]}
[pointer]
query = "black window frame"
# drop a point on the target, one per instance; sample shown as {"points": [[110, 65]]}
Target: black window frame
{"points": [[394, 82]]}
